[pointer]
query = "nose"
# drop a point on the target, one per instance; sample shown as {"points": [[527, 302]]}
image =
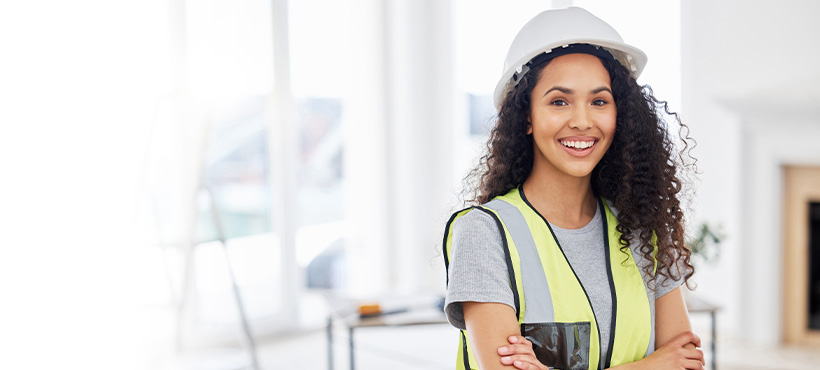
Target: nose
{"points": [[581, 119]]}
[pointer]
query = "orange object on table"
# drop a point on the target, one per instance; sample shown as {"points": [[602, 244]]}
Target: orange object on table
{"points": [[369, 309]]}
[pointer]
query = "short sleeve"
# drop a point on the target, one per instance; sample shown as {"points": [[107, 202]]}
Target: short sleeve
{"points": [[667, 283], [477, 271]]}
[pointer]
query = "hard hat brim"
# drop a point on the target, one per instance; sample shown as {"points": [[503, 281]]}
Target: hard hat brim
{"points": [[629, 56]]}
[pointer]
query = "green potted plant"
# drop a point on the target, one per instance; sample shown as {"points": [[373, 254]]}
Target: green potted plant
{"points": [[705, 246]]}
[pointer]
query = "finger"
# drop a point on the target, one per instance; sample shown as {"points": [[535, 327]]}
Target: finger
{"points": [[525, 365], [521, 362], [696, 342], [685, 338], [695, 354], [516, 349], [693, 365], [517, 339]]}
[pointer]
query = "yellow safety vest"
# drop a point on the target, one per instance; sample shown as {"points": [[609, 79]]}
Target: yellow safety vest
{"points": [[553, 308]]}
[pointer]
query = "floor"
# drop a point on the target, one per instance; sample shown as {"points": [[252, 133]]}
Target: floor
{"points": [[734, 355]]}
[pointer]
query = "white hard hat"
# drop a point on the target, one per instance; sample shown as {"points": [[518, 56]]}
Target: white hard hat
{"points": [[558, 28]]}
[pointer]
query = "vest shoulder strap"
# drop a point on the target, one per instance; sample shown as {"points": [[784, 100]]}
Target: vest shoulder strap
{"points": [[508, 255]]}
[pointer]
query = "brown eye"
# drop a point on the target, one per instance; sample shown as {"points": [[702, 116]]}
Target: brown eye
{"points": [[559, 103], [599, 102]]}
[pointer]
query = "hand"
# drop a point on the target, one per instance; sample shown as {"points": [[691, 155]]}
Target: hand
{"points": [[520, 354], [675, 355]]}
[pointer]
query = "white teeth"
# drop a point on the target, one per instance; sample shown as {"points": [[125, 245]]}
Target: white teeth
{"points": [[578, 144]]}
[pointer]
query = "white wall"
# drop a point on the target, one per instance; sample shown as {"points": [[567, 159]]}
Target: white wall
{"points": [[79, 80], [748, 71]]}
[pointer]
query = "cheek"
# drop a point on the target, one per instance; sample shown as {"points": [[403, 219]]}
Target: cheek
{"points": [[608, 124], [545, 122]]}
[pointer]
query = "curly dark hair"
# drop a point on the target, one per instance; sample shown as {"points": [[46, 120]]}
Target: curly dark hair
{"points": [[639, 174]]}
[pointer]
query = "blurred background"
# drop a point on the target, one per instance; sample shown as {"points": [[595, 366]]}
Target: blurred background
{"points": [[186, 182]]}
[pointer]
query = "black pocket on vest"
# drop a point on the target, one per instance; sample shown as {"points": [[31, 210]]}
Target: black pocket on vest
{"points": [[558, 344]]}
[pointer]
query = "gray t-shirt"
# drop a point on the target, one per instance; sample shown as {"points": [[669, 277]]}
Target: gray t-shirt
{"points": [[478, 271]]}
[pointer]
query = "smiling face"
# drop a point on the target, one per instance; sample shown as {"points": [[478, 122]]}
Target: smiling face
{"points": [[572, 116]]}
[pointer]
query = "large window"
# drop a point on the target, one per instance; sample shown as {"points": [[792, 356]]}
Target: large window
{"points": [[212, 152], [318, 64], [231, 69]]}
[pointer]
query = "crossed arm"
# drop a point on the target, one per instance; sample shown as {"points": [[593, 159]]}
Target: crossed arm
{"points": [[496, 338]]}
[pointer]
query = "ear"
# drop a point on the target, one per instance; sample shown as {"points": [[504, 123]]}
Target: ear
{"points": [[529, 126]]}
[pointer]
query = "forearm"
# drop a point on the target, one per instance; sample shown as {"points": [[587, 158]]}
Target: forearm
{"points": [[630, 366], [651, 363], [672, 332], [671, 317], [675, 344]]}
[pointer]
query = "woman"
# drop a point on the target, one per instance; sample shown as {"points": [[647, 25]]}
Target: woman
{"points": [[575, 257]]}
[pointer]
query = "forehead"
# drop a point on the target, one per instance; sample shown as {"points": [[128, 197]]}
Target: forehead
{"points": [[575, 69]]}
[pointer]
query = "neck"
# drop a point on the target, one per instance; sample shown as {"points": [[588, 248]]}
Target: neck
{"points": [[565, 201]]}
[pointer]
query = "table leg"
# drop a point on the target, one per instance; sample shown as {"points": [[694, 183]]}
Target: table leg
{"points": [[714, 339], [329, 343], [350, 337]]}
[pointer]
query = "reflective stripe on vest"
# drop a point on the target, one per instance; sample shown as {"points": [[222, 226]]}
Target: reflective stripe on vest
{"points": [[536, 259]]}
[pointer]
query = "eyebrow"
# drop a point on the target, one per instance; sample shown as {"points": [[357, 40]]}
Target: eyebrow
{"points": [[569, 91]]}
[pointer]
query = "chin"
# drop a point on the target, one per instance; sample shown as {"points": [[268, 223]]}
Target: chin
{"points": [[582, 168], [578, 174]]}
